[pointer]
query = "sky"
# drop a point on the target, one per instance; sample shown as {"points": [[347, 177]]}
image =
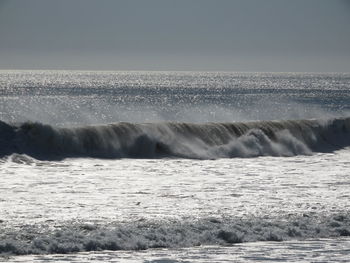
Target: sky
{"points": [[213, 35]]}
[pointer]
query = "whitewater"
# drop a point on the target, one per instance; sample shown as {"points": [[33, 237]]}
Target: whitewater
{"points": [[174, 166]]}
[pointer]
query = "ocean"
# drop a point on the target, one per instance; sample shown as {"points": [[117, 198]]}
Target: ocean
{"points": [[174, 166]]}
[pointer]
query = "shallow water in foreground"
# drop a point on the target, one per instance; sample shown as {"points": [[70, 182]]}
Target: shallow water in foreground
{"points": [[208, 202], [324, 250]]}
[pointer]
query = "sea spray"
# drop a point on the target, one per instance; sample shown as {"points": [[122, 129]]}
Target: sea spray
{"points": [[173, 139]]}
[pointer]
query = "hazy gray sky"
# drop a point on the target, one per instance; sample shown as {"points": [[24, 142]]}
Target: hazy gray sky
{"points": [[230, 35]]}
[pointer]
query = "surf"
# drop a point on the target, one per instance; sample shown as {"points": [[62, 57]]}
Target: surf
{"points": [[73, 236], [175, 139]]}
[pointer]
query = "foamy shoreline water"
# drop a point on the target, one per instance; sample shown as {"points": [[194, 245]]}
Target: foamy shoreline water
{"points": [[321, 250], [73, 237]]}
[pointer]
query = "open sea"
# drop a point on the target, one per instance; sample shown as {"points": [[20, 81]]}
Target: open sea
{"points": [[174, 167]]}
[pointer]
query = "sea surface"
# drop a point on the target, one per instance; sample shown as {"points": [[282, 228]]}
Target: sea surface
{"points": [[174, 167]]}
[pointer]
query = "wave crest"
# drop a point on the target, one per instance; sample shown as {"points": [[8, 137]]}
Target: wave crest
{"points": [[171, 139]]}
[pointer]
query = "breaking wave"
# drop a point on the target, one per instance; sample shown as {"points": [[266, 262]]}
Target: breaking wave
{"points": [[76, 237], [172, 139]]}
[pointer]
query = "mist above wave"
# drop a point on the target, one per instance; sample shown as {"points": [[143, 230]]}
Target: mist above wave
{"points": [[68, 98], [178, 102]]}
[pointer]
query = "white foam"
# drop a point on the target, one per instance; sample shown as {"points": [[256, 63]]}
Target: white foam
{"points": [[76, 237]]}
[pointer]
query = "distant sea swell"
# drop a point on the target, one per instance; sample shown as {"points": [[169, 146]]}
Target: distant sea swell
{"points": [[173, 139]]}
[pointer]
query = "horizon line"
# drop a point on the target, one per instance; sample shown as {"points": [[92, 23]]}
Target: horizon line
{"points": [[194, 71]]}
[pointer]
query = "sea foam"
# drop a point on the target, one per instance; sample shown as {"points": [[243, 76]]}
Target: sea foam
{"points": [[76, 237]]}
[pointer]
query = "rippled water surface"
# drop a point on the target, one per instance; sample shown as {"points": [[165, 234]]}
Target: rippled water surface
{"points": [[263, 208]]}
